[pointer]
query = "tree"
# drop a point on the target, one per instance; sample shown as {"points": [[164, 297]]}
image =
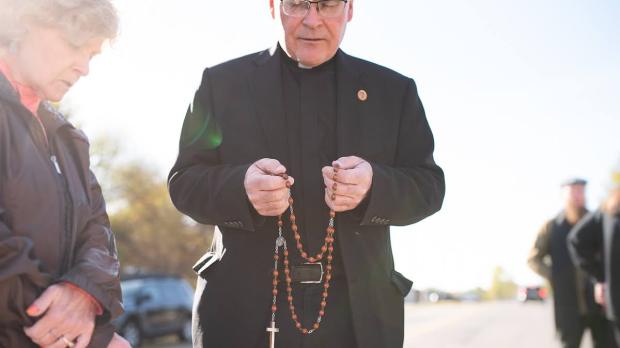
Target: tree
{"points": [[152, 236], [502, 287]]}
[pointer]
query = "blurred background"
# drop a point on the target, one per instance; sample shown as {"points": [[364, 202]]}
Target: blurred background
{"points": [[520, 95]]}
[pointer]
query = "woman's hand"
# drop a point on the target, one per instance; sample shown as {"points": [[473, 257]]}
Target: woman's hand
{"points": [[67, 318], [118, 342]]}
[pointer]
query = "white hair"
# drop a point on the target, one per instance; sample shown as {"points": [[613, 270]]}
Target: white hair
{"points": [[80, 20]]}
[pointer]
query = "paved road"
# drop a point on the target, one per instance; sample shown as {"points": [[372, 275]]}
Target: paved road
{"points": [[481, 325], [469, 325]]}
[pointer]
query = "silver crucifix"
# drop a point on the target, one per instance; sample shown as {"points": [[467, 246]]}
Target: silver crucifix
{"points": [[272, 334]]}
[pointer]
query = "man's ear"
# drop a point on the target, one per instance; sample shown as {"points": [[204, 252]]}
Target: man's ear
{"points": [[272, 9], [350, 10]]}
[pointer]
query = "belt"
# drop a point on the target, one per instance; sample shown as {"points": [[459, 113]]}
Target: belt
{"points": [[311, 273]]}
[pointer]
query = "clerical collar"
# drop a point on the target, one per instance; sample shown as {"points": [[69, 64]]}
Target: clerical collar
{"points": [[298, 66]]}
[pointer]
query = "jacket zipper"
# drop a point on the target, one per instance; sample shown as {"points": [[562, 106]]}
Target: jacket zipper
{"points": [[64, 265]]}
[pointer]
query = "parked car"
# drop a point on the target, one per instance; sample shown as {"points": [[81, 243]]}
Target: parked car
{"points": [[531, 293], [155, 305]]}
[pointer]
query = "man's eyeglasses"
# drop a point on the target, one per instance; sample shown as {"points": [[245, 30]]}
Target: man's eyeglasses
{"points": [[325, 8]]}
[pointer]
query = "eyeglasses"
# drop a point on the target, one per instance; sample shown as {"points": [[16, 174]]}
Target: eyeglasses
{"points": [[325, 8]]}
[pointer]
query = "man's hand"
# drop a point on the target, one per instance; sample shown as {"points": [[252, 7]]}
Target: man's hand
{"points": [[352, 183], [118, 342], [599, 294], [265, 187], [67, 317]]}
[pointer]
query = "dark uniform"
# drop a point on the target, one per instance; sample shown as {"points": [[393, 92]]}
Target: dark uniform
{"points": [[595, 244], [573, 294]]}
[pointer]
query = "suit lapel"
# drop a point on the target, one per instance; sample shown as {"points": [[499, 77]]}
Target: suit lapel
{"points": [[349, 117], [266, 90]]}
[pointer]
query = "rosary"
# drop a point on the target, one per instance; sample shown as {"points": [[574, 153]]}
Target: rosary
{"points": [[328, 247]]}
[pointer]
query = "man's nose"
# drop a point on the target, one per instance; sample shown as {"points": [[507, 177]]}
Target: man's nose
{"points": [[313, 18]]}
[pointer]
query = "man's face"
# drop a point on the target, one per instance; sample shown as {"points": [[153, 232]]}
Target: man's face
{"points": [[312, 40], [574, 196]]}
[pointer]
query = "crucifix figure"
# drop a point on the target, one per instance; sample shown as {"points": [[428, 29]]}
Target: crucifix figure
{"points": [[272, 334]]}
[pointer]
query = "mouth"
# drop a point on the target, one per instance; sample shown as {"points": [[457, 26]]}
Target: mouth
{"points": [[310, 39]]}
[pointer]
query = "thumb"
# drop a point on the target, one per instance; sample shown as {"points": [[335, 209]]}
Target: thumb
{"points": [[347, 162], [41, 304], [271, 166]]}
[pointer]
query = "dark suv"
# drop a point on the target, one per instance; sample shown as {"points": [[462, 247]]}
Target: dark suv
{"points": [[155, 305]]}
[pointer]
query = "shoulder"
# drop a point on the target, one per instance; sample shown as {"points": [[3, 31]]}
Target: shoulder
{"points": [[234, 67], [375, 72]]}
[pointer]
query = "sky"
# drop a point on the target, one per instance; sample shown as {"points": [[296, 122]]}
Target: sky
{"points": [[520, 96]]}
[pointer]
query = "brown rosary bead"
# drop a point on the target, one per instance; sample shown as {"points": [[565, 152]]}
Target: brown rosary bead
{"points": [[330, 230], [297, 237], [300, 246], [289, 289], [294, 228], [290, 298], [298, 325], [294, 316], [304, 255], [293, 218], [280, 223], [321, 313], [286, 262], [304, 331], [325, 294], [323, 249], [285, 252], [276, 257], [274, 292], [332, 214], [326, 286], [311, 260], [289, 280], [315, 326], [330, 258], [323, 304], [274, 308], [275, 273], [331, 248]]}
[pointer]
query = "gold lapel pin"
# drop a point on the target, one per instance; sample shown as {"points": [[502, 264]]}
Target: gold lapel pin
{"points": [[362, 95]]}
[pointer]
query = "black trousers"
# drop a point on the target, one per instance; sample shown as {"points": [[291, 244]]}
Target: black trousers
{"points": [[336, 330], [600, 330]]}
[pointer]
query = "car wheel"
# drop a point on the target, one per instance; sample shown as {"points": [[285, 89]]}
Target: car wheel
{"points": [[186, 331], [131, 332]]}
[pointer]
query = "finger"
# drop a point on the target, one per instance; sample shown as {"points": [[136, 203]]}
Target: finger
{"points": [[82, 341], [270, 166], [41, 304], [59, 343], [48, 322], [45, 340], [354, 176], [263, 182], [272, 209], [263, 197], [353, 191], [347, 162], [340, 203]]}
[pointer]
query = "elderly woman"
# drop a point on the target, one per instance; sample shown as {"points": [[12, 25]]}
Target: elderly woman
{"points": [[59, 281], [595, 245]]}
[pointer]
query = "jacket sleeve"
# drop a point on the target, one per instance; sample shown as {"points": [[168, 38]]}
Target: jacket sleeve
{"points": [[21, 280], [585, 243], [414, 187], [200, 185], [96, 266], [539, 260]]}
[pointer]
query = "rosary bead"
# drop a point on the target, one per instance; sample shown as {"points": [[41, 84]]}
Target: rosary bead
{"points": [[294, 316], [275, 292], [326, 285], [329, 267], [294, 228], [276, 273], [325, 294], [275, 282], [323, 304], [274, 308], [331, 230], [315, 326], [330, 258], [311, 260], [304, 255], [331, 248], [276, 257], [289, 280], [321, 313], [280, 223], [305, 331], [300, 246], [298, 325], [286, 262], [297, 237], [332, 214]]}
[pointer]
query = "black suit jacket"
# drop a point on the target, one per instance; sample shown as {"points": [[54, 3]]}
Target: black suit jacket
{"points": [[238, 118], [595, 246]]}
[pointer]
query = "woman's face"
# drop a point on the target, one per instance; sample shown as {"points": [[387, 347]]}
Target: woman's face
{"points": [[49, 63]]}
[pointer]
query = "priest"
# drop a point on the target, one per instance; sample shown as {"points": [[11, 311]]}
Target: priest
{"points": [[304, 157]]}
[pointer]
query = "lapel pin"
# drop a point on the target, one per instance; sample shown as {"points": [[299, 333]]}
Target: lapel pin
{"points": [[362, 95]]}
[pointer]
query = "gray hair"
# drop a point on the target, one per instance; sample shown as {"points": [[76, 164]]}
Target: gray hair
{"points": [[80, 20]]}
